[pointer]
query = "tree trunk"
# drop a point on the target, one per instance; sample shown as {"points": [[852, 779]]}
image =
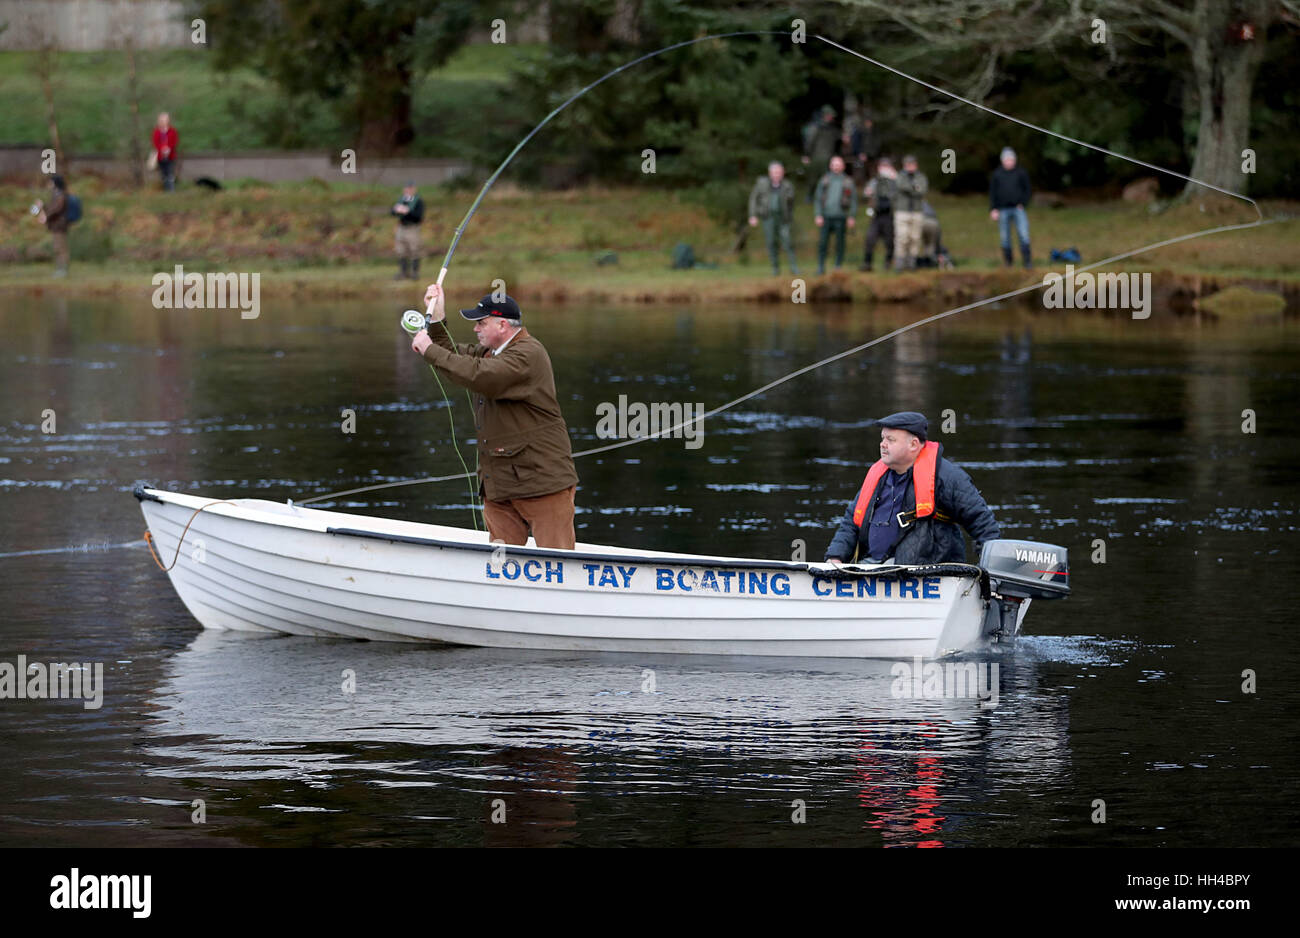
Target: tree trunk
{"points": [[135, 139], [1225, 64], [45, 67], [384, 112]]}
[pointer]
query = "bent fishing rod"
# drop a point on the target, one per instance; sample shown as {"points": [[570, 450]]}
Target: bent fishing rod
{"points": [[412, 321]]}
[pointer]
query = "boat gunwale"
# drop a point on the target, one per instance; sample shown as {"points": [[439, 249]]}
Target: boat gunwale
{"points": [[892, 571], [847, 571]]}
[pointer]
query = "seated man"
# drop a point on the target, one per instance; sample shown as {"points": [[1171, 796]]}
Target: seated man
{"points": [[933, 253], [911, 503]]}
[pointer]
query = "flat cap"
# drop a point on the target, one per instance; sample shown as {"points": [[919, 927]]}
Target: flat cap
{"points": [[908, 420]]}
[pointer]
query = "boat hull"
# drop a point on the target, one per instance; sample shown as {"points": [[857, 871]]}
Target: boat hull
{"points": [[258, 566]]}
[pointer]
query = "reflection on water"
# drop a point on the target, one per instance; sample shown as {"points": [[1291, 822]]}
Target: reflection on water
{"points": [[1121, 440], [541, 731]]}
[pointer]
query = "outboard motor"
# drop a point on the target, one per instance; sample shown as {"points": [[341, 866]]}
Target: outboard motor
{"points": [[1020, 571]]}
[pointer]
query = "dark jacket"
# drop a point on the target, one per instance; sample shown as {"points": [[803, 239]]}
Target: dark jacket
{"points": [[912, 188], [883, 191], [927, 540], [1008, 188], [823, 143], [523, 441], [865, 143], [56, 211], [414, 216], [760, 199]]}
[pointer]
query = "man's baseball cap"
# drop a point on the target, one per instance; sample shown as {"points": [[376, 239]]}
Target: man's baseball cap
{"points": [[908, 420], [505, 307]]}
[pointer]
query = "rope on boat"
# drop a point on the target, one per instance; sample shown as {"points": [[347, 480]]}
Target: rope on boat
{"points": [[148, 536]]}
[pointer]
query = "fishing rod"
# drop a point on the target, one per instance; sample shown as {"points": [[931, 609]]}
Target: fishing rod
{"points": [[413, 322], [460, 229]]}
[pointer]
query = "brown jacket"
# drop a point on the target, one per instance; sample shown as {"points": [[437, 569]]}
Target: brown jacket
{"points": [[56, 211], [523, 441]]}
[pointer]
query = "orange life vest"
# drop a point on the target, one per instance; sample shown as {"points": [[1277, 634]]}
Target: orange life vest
{"points": [[922, 481]]}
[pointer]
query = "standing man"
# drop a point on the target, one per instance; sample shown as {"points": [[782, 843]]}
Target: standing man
{"points": [[54, 216], [1008, 195], [836, 205], [526, 475], [409, 210], [911, 503], [912, 187], [881, 192], [820, 146], [865, 147], [772, 201], [165, 140]]}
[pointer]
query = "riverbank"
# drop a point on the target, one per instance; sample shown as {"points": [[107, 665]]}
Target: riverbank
{"points": [[598, 245]]}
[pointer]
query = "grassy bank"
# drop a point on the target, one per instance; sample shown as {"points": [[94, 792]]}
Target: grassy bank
{"points": [[337, 240], [231, 111]]}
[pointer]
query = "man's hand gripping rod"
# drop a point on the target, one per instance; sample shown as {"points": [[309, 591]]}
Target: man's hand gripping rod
{"points": [[412, 321]]}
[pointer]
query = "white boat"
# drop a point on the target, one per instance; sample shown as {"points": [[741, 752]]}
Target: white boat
{"points": [[259, 566]]}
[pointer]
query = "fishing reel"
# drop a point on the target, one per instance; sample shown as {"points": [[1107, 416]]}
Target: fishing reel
{"points": [[413, 321]]}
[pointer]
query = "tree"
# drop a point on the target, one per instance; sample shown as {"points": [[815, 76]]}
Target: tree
{"points": [[1224, 40], [360, 54]]}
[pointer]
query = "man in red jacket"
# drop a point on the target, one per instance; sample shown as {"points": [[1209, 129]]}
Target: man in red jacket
{"points": [[164, 148]]}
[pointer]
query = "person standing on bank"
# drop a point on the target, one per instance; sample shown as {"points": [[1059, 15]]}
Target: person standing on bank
{"points": [[911, 503], [911, 186], [836, 205], [54, 216], [165, 141], [771, 201], [526, 474], [1009, 193], [409, 210], [820, 144], [880, 193]]}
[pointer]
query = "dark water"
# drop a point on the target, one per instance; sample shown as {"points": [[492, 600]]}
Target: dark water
{"points": [[1130, 691]]}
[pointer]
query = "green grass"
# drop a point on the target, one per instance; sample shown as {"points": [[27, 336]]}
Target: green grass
{"points": [[335, 237], [227, 110]]}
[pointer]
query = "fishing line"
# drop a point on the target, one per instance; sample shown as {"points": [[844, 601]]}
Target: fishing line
{"points": [[1044, 130], [1037, 285], [460, 229], [473, 500], [74, 549], [848, 352], [413, 323]]}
